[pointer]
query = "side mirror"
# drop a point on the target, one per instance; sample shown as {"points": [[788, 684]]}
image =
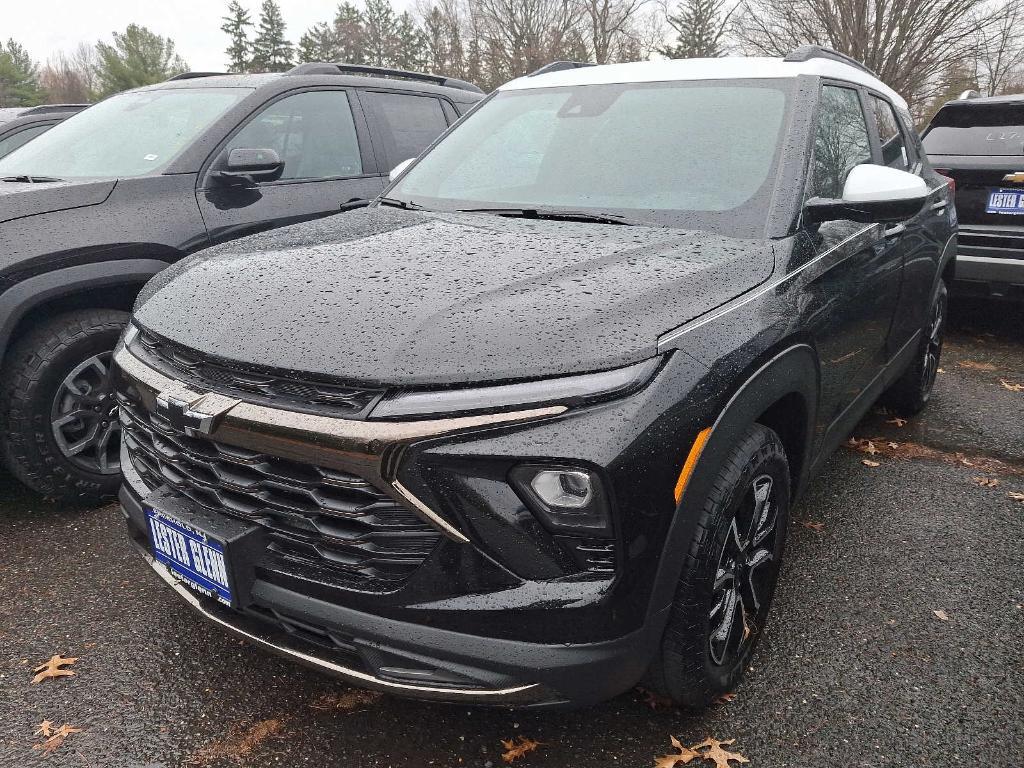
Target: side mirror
{"points": [[398, 169], [246, 167], [873, 194]]}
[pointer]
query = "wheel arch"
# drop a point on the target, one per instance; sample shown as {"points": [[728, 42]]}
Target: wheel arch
{"points": [[102, 285]]}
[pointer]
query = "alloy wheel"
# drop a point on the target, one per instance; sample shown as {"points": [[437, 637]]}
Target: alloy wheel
{"points": [[746, 574], [83, 419], [933, 347]]}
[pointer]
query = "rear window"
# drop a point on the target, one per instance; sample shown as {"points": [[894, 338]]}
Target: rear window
{"points": [[977, 130]]}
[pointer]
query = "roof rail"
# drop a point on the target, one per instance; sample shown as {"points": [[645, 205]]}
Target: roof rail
{"points": [[42, 109], [324, 68], [969, 94], [192, 75], [808, 52], [558, 66]]}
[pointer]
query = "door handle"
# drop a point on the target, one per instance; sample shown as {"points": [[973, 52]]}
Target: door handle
{"points": [[940, 205], [895, 230]]}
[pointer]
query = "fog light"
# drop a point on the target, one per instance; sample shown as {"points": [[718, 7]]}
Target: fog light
{"points": [[570, 489], [565, 499]]}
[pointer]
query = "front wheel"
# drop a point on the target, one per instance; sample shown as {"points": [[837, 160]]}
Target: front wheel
{"points": [[63, 435], [912, 391], [729, 574]]}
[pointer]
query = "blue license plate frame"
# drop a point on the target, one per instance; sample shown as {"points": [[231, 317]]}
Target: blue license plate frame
{"points": [[192, 555], [1007, 202]]}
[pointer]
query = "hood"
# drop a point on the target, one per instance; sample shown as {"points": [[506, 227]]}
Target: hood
{"points": [[18, 200], [404, 298]]}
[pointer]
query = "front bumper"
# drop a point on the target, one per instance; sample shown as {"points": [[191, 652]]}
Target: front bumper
{"points": [[990, 262], [369, 650]]}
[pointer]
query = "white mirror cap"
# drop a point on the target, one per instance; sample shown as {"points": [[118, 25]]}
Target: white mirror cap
{"points": [[878, 184], [397, 170]]}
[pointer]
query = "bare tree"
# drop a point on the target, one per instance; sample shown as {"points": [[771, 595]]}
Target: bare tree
{"points": [[606, 23], [999, 50], [906, 42], [519, 36]]}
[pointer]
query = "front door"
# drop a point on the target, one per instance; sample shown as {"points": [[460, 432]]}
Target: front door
{"points": [[328, 165]]}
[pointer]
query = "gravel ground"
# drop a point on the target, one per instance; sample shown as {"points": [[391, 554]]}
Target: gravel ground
{"points": [[856, 669]]}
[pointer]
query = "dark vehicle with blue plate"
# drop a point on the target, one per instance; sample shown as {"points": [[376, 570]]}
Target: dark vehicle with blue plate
{"points": [[978, 143], [94, 207], [528, 429]]}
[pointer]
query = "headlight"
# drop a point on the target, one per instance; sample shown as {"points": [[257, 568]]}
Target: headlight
{"points": [[565, 390], [565, 499]]}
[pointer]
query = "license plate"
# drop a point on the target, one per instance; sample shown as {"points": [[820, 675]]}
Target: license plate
{"points": [[190, 554], [1006, 201]]}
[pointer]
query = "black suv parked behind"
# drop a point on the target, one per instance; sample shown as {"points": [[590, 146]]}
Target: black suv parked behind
{"points": [[92, 209], [530, 428], [979, 144], [19, 126]]}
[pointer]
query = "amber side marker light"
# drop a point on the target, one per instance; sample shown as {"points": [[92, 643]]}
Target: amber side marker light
{"points": [[691, 461]]}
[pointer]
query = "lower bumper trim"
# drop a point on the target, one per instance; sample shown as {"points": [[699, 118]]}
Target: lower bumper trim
{"points": [[523, 694]]}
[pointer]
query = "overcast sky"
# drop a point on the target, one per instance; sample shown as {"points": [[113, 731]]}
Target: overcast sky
{"points": [[47, 26]]}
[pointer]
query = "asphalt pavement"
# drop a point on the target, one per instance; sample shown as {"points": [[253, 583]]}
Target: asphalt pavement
{"points": [[895, 640]]}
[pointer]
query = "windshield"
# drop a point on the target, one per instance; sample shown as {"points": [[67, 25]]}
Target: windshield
{"points": [[991, 129], [128, 135], [689, 154]]}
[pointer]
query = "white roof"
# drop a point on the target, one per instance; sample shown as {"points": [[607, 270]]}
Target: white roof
{"points": [[727, 68]]}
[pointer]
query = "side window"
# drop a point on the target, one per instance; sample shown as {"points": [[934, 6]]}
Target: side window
{"points": [[406, 124], [313, 132], [16, 140], [891, 139], [840, 141]]}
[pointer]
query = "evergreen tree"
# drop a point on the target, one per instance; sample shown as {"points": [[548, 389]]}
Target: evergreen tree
{"points": [[138, 57], [319, 43], [271, 51], [700, 26], [19, 77], [350, 34], [381, 28], [409, 44], [235, 27]]}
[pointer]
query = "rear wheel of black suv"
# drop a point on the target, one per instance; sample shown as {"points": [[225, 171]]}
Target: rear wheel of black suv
{"points": [[729, 574], [911, 392], [63, 435]]}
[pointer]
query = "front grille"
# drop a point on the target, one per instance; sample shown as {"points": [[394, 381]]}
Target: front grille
{"points": [[270, 388], [319, 521]]}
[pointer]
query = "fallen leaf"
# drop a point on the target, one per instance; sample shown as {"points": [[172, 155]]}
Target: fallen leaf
{"points": [[726, 698], [897, 421], [940, 370], [869, 448], [870, 463], [715, 754], [655, 700], [893, 446], [238, 744], [1011, 386], [346, 701], [56, 739], [684, 757], [45, 728], [941, 615], [985, 482], [516, 750], [52, 668], [974, 366], [1016, 496], [813, 525]]}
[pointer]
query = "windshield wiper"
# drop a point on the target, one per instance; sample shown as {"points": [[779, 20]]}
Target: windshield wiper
{"points": [[396, 203], [26, 179], [557, 214]]}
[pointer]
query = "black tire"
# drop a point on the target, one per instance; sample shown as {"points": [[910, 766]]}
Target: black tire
{"points": [[911, 392], [34, 373], [685, 667]]}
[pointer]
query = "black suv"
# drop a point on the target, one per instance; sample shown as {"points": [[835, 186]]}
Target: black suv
{"points": [[979, 144], [529, 428], [92, 209], [19, 126]]}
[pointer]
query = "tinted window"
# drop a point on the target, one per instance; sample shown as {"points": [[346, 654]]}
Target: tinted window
{"points": [[684, 154], [840, 141], [14, 141], [894, 146], [131, 134], [991, 129], [406, 124], [313, 133]]}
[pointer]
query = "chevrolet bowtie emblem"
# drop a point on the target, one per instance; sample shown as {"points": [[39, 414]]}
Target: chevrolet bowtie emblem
{"points": [[1017, 177], [193, 413]]}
